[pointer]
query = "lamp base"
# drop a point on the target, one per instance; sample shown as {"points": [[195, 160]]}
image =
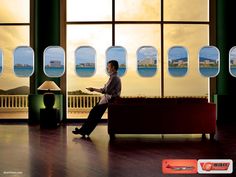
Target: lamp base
{"points": [[49, 100]]}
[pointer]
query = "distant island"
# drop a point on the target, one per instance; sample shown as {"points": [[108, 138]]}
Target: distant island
{"points": [[23, 66], [178, 63], [85, 65], [78, 92], [147, 63], [23, 90], [122, 66], [208, 63], [233, 63], [54, 64]]}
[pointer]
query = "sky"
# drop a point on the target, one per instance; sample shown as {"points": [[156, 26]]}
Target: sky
{"points": [[177, 52], [100, 10], [232, 53], [130, 36], [54, 53], [147, 52], [11, 37], [14, 11], [85, 54], [24, 55], [116, 53], [209, 52]]}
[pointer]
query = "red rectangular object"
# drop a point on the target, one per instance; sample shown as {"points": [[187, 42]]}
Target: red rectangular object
{"points": [[179, 166]]}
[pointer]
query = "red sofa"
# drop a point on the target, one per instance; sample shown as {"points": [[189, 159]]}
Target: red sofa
{"points": [[162, 116]]}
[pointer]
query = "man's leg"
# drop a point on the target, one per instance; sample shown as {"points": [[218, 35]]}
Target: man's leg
{"points": [[93, 119]]}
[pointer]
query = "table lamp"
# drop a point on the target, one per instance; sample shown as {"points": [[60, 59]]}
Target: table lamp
{"points": [[49, 96]]}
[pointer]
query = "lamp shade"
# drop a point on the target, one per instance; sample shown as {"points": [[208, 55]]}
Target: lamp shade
{"points": [[49, 97], [49, 86]]}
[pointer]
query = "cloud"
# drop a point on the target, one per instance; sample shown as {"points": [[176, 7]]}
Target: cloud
{"points": [[14, 11], [186, 10], [137, 10]]}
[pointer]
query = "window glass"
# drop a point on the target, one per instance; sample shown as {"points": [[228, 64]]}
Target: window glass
{"points": [[14, 11], [11, 37], [132, 36], [23, 61], [209, 61], [1, 61], [147, 61], [54, 59], [177, 61], [186, 10], [138, 10], [119, 54], [138, 23], [85, 61], [232, 61], [98, 37], [81, 35], [192, 84], [89, 10]]}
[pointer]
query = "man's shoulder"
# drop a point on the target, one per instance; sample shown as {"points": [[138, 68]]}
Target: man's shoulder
{"points": [[116, 77]]}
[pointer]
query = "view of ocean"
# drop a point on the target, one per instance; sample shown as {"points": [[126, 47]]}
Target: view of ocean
{"points": [[23, 72], [209, 72], [121, 72], [233, 71], [147, 72], [54, 72], [178, 72], [85, 72], [144, 72]]}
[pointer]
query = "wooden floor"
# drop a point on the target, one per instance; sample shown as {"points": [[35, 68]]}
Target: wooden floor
{"points": [[28, 151]]}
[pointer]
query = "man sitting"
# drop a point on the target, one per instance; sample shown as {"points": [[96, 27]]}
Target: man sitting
{"points": [[111, 90]]}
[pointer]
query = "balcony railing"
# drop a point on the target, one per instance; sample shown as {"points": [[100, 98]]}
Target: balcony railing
{"points": [[82, 103], [76, 103], [16, 103]]}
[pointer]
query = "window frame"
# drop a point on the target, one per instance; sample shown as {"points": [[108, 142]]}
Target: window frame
{"points": [[212, 36]]}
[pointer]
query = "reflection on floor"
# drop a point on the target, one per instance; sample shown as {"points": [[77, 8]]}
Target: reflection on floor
{"points": [[28, 151]]}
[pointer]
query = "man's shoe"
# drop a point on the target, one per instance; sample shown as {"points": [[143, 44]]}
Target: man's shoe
{"points": [[77, 129], [78, 132]]}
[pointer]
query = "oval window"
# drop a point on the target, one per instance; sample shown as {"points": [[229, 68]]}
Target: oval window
{"points": [[147, 61], [209, 61], [177, 61], [117, 53], [23, 61], [232, 61], [54, 61], [85, 61]]}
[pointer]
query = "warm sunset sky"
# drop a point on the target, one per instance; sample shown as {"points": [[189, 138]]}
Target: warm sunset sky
{"points": [[131, 37]]}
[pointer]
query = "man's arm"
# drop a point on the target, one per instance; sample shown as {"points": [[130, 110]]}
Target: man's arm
{"points": [[108, 88], [91, 89]]}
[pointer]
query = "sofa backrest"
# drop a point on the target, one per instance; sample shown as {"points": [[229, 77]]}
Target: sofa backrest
{"points": [[167, 100]]}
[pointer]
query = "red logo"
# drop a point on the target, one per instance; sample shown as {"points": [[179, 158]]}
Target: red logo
{"points": [[208, 166]]}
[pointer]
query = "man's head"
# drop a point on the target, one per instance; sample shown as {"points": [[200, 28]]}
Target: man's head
{"points": [[112, 66]]}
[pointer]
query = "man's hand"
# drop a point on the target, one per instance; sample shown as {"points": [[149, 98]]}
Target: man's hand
{"points": [[90, 89]]}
